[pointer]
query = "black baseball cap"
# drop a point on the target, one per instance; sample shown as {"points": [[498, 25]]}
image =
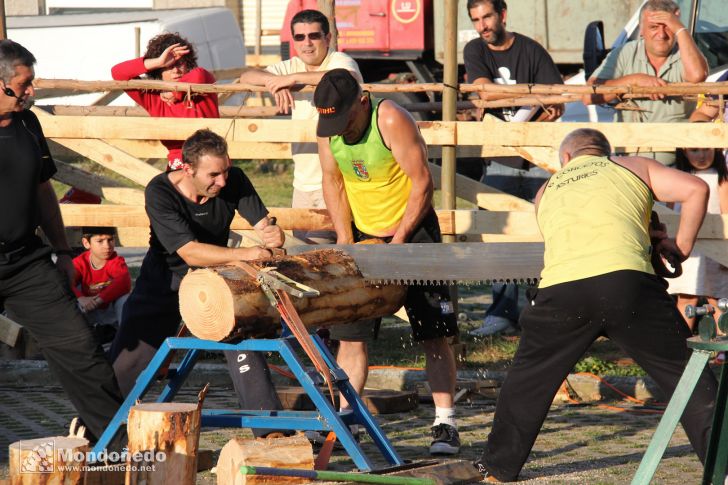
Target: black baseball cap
{"points": [[334, 97]]}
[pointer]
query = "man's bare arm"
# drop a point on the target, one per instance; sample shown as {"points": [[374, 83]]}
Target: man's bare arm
{"points": [[202, 255], [399, 132], [670, 185], [706, 112], [335, 197]]}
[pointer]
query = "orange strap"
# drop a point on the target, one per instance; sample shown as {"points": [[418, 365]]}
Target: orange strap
{"points": [[288, 312]]}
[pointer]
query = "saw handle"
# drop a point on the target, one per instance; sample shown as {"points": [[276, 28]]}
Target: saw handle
{"points": [[658, 264], [272, 221]]}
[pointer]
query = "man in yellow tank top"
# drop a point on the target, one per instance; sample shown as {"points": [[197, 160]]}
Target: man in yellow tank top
{"points": [[377, 184], [598, 281]]}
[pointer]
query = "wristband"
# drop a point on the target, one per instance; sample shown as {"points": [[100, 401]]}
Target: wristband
{"points": [[680, 30], [64, 252]]}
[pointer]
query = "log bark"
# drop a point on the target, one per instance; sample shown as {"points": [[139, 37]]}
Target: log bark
{"points": [[171, 429], [223, 303], [291, 452], [57, 459]]}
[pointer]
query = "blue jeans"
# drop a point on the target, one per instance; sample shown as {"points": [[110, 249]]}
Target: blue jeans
{"points": [[523, 184]]}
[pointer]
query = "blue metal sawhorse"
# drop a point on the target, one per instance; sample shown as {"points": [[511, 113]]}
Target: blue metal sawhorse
{"points": [[325, 418]]}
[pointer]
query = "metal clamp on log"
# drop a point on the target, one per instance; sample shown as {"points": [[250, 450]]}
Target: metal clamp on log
{"points": [[270, 279]]}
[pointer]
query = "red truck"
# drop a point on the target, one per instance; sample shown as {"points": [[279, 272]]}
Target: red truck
{"points": [[375, 30]]}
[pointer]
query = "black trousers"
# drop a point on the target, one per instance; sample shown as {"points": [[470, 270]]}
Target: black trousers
{"points": [[151, 314], [37, 295], [632, 309]]}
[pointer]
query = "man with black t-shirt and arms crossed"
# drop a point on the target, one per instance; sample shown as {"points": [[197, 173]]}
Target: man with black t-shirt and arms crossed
{"points": [[190, 211], [34, 291], [502, 57]]}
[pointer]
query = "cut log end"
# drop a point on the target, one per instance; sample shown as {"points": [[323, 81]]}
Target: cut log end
{"points": [[206, 299], [57, 459]]}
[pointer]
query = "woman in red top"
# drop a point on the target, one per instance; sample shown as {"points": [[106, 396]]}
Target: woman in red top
{"points": [[170, 57]]}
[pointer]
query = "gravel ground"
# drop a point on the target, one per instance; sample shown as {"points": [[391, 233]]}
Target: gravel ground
{"points": [[592, 444]]}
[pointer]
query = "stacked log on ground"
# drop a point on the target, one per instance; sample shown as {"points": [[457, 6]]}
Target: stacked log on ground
{"points": [[57, 459], [224, 302], [291, 452], [163, 440]]}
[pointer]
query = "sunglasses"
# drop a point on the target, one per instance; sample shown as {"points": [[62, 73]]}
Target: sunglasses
{"points": [[311, 36]]}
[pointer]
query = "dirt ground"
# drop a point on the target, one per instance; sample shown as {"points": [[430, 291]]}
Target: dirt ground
{"points": [[592, 444]]}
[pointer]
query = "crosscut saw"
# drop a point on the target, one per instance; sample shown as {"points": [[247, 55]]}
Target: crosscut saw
{"points": [[440, 263]]}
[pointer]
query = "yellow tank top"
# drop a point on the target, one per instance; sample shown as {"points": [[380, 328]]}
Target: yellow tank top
{"points": [[594, 217], [375, 184]]}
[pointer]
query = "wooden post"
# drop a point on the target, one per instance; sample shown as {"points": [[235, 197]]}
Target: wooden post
{"points": [[258, 29], [291, 452], [137, 41], [57, 459], [328, 8], [163, 440], [3, 21]]}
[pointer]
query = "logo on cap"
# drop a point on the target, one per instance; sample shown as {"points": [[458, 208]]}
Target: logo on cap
{"points": [[327, 111]]}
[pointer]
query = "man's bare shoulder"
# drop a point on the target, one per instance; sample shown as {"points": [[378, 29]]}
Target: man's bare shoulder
{"points": [[393, 115]]}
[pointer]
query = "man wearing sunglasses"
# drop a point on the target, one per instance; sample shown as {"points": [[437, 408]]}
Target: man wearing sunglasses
{"points": [[311, 40]]}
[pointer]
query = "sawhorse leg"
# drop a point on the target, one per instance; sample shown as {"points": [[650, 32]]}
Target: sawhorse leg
{"points": [[360, 411], [716, 459], [142, 385], [672, 415]]}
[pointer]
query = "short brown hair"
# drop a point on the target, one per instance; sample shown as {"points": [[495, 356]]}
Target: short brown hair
{"points": [[159, 43], [203, 142]]}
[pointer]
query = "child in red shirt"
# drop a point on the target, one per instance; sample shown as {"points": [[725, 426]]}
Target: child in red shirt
{"points": [[102, 282]]}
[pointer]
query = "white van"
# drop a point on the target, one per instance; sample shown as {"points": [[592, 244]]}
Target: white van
{"points": [[707, 20]]}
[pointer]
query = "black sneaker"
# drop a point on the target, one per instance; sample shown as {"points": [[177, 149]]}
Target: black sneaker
{"points": [[445, 440]]}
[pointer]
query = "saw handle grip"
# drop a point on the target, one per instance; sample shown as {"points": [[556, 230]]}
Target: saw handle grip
{"points": [[272, 221], [658, 264]]}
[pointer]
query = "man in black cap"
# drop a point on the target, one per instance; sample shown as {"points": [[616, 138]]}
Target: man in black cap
{"points": [[35, 291], [377, 184]]}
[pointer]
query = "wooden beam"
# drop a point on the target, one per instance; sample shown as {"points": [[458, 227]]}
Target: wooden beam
{"points": [[521, 223], [482, 195], [76, 177], [674, 135], [104, 154], [123, 195], [435, 133]]}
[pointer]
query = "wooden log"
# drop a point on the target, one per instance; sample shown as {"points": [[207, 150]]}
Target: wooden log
{"points": [[57, 459], [163, 440], [291, 452], [224, 302]]}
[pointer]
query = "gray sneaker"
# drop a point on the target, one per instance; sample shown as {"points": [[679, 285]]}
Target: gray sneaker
{"points": [[491, 326], [445, 440]]}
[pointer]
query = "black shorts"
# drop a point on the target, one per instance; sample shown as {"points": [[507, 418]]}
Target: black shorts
{"points": [[429, 307]]}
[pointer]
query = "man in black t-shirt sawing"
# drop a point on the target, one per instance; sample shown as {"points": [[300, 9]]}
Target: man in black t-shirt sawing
{"points": [[190, 212]]}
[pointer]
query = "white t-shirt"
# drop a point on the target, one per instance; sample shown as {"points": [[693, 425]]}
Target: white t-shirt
{"points": [[307, 168]]}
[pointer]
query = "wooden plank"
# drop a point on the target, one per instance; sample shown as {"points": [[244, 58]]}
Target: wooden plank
{"points": [[435, 133], [9, 331], [237, 150], [378, 401], [483, 195], [241, 130], [112, 158], [445, 472], [517, 223], [672, 135], [123, 195], [76, 177], [104, 154]]}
